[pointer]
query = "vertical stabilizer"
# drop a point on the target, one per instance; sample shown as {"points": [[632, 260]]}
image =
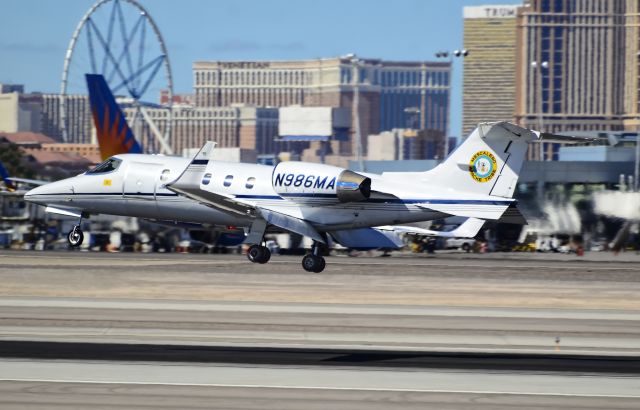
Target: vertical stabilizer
{"points": [[114, 134], [488, 162]]}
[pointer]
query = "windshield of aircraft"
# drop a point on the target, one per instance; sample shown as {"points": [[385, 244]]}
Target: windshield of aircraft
{"points": [[107, 166]]}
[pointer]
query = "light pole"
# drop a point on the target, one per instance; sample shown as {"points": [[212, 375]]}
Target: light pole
{"points": [[537, 70], [636, 171], [356, 111], [445, 54]]}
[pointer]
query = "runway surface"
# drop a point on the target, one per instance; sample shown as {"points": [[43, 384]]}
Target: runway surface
{"points": [[454, 302], [81, 330], [64, 384]]}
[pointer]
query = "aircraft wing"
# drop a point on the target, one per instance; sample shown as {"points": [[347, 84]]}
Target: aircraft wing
{"points": [[188, 184], [468, 229]]}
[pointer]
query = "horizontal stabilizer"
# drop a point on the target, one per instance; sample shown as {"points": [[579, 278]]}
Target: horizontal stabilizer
{"points": [[513, 216], [469, 209], [568, 139]]}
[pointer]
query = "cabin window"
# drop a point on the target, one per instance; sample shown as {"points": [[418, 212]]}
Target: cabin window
{"points": [[109, 165], [250, 183], [227, 180], [165, 175]]}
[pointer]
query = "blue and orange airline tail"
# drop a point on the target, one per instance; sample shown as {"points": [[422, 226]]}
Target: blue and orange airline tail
{"points": [[5, 177], [114, 135]]}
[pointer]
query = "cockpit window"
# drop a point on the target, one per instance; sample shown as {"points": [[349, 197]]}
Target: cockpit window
{"points": [[107, 166]]}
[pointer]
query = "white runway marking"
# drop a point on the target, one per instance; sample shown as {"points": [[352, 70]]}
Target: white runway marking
{"points": [[266, 386], [323, 378]]}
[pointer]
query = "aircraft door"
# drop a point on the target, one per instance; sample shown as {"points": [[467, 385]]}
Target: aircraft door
{"points": [[141, 182]]}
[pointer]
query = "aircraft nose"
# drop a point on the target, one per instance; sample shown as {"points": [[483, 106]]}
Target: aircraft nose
{"points": [[49, 192]]}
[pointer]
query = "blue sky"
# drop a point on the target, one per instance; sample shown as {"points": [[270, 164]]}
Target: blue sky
{"points": [[35, 34]]}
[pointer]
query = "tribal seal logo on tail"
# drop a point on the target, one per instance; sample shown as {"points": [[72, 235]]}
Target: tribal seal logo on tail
{"points": [[483, 166]]}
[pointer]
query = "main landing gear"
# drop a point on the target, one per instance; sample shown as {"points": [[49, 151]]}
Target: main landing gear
{"points": [[258, 254], [314, 262]]}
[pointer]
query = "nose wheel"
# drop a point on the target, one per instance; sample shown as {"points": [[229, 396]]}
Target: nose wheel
{"points": [[258, 254], [75, 236]]}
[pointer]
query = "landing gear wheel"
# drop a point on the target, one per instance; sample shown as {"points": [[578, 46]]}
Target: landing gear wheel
{"points": [[258, 254], [313, 263], [75, 237]]}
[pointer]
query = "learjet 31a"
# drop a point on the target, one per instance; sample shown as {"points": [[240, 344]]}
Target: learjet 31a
{"points": [[315, 200]]}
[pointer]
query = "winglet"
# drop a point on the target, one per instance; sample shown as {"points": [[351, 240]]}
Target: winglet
{"points": [[190, 177]]}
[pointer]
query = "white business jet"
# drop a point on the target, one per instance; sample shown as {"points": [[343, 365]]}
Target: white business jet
{"points": [[477, 180]]}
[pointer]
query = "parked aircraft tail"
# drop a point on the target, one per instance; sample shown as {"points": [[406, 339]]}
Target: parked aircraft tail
{"points": [[114, 134], [4, 174]]}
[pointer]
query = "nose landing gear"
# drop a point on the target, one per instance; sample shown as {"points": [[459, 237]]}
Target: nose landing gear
{"points": [[75, 236]]}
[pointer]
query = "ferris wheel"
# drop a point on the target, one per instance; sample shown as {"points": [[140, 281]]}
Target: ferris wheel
{"points": [[118, 39]]}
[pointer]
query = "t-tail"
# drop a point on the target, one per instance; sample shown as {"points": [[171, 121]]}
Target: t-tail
{"points": [[114, 135], [488, 162]]}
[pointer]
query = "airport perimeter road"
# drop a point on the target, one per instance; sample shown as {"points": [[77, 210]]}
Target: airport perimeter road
{"points": [[447, 303]]}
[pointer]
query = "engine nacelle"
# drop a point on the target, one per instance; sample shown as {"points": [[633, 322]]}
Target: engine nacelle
{"points": [[306, 182]]}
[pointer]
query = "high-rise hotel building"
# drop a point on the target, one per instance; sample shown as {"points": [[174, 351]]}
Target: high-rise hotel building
{"points": [[489, 86], [578, 64], [389, 92]]}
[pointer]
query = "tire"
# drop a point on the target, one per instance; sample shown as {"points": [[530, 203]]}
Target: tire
{"points": [[255, 253], [266, 255], [75, 237], [312, 263], [258, 254], [321, 265], [466, 247]]}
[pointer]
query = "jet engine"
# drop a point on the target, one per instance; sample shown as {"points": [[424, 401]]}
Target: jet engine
{"points": [[319, 183]]}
